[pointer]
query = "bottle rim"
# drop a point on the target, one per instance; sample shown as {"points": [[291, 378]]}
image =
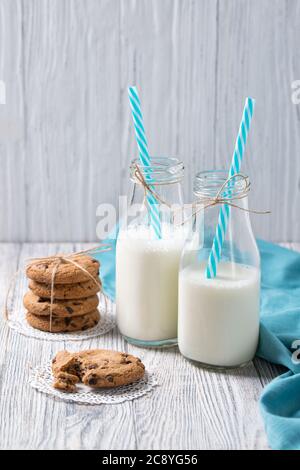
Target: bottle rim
{"points": [[162, 170], [208, 183]]}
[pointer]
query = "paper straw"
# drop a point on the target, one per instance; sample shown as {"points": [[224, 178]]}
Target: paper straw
{"points": [[145, 159], [239, 150]]}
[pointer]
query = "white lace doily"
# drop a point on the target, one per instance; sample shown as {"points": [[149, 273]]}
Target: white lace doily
{"points": [[17, 321], [41, 379]]}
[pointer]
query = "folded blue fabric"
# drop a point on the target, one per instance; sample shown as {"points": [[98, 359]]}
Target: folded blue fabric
{"points": [[280, 328]]}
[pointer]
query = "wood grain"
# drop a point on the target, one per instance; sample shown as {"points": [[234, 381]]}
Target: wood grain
{"points": [[191, 409], [197, 408], [257, 50], [57, 424], [67, 65]]}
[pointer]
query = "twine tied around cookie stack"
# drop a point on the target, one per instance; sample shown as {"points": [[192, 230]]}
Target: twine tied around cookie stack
{"points": [[58, 260]]}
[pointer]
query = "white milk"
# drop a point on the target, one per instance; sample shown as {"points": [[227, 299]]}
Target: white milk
{"points": [[219, 318], [147, 283]]}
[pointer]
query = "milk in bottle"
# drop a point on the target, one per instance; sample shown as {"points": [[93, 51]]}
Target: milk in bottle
{"points": [[218, 323], [147, 267]]}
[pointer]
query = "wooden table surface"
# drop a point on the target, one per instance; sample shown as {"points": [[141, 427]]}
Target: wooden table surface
{"points": [[192, 408]]}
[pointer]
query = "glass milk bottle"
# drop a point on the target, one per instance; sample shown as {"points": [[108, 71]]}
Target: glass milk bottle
{"points": [[147, 267], [218, 323]]}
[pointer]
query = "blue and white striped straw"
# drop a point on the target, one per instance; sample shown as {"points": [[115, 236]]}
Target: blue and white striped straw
{"points": [[216, 251], [145, 159]]}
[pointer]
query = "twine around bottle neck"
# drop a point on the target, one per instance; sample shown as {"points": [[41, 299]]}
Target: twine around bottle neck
{"points": [[204, 202]]}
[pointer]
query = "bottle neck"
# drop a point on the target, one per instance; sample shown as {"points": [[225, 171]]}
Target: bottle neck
{"points": [[158, 185], [217, 185], [162, 171], [223, 213], [163, 178]]}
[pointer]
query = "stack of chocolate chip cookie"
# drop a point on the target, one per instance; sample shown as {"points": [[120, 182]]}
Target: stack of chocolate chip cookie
{"points": [[74, 288]]}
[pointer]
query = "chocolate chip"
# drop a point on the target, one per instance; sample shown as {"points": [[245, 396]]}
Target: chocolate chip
{"points": [[109, 378], [69, 310], [92, 366], [54, 361], [67, 321]]}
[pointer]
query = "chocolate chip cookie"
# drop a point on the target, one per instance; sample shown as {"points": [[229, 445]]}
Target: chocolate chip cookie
{"points": [[78, 290], [66, 272], [60, 325], [40, 306], [97, 368]]}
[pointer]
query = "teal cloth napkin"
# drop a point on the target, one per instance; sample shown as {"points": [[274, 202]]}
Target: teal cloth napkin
{"points": [[280, 327]]}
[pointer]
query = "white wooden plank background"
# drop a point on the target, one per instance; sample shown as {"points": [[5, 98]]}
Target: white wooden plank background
{"points": [[191, 409], [67, 65]]}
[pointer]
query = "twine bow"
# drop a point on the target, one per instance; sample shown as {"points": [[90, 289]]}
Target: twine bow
{"points": [[58, 260], [140, 179], [221, 198]]}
